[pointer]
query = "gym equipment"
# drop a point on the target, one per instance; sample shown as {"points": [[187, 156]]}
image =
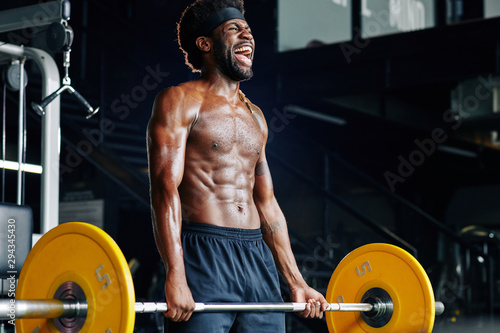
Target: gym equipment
{"points": [[76, 279], [386, 275], [62, 34]]}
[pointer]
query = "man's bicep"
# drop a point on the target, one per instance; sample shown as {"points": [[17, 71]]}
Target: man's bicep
{"points": [[165, 155], [167, 136]]}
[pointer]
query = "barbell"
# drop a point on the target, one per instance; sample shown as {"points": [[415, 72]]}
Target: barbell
{"points": [[76, 279]]}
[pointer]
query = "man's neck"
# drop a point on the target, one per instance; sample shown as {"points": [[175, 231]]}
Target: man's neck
{"points": [[220, 84]]}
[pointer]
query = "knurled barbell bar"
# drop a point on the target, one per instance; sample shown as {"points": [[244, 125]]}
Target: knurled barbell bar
{"points": [[63, 308], [76, 279]]}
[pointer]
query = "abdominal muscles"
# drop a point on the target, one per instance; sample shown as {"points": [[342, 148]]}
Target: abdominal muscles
{"points": [[219, 172]]}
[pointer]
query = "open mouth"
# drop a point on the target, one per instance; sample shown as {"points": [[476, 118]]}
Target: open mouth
{"points": [[244, 54]]}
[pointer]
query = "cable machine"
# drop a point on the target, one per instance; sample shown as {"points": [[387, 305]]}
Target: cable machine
{"points": [[54, 16]]}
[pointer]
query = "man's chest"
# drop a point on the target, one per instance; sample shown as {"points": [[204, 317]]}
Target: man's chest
{"points": [[227, 130]]}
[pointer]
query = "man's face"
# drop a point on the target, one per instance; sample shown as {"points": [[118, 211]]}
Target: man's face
{"points": [[234, 49]]}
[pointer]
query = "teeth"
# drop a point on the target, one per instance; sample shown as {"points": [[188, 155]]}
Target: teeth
{"points": [[244, 49]]}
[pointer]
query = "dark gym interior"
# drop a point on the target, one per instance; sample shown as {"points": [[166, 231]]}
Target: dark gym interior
{"points": [[386, 133]]}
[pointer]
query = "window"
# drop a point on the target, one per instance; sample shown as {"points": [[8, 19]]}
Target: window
{"points": [[306, 23], [491, 8], [382, 17]]}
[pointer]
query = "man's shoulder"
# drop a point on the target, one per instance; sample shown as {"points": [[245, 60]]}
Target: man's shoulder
{"points": [[176, 105]]}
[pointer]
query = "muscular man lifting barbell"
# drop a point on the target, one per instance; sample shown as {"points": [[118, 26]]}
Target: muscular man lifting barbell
{"points": [[216, 221], [208, 165]]}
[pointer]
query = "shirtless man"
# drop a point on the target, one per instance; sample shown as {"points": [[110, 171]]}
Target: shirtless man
{"points": [[217, 225]]}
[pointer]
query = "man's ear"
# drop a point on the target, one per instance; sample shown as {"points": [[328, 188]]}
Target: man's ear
{"points": [[204, 43]]}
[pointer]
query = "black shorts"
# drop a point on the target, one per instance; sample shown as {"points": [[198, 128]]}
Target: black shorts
{"points": [[229, 265]]}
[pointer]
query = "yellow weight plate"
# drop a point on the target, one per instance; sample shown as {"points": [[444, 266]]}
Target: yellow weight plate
{"points": [[392, 269], [83, 254]]}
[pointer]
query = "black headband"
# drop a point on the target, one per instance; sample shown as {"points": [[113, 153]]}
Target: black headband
{"points": [[216, 19]]}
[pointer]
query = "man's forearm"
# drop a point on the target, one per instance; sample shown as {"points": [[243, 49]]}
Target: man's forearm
{"points": [[275, 235], [167, 224], [168, 246]]}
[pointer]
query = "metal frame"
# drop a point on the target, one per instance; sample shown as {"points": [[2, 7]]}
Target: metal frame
{"points": [[34, 16], [51, 81]]}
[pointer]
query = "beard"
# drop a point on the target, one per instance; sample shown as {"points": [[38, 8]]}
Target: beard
{"points": [[227, 63]]}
